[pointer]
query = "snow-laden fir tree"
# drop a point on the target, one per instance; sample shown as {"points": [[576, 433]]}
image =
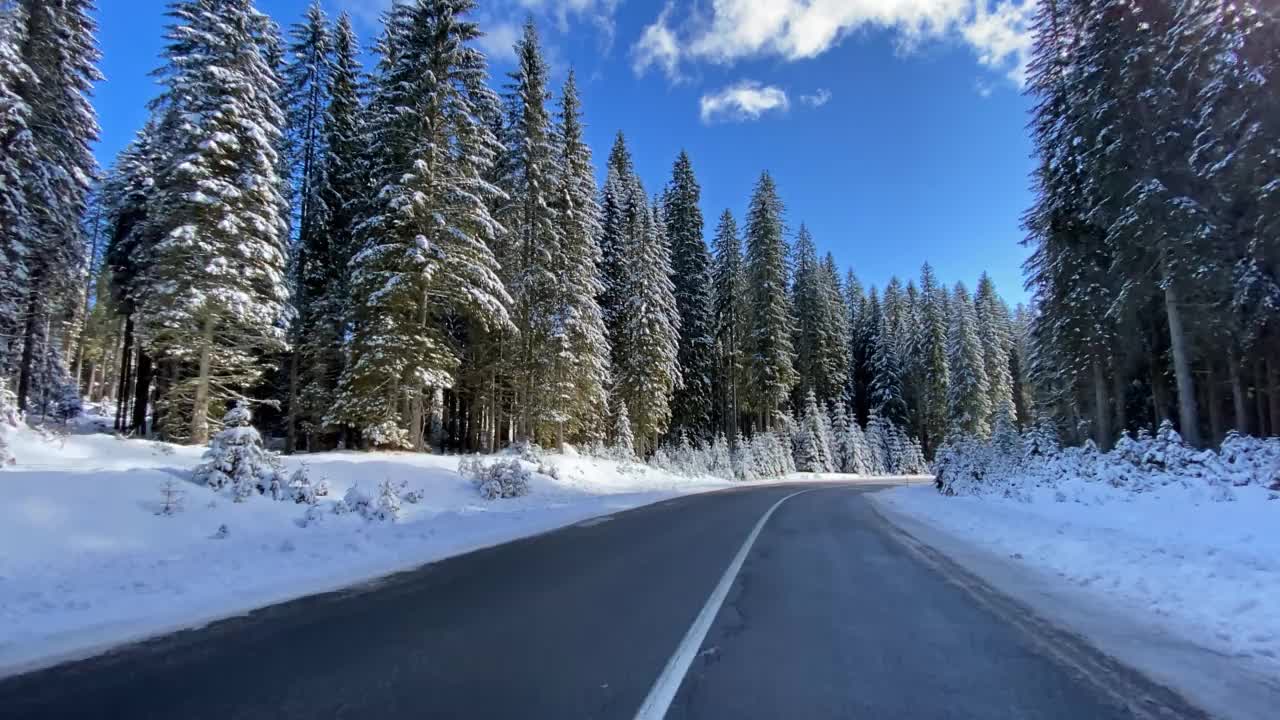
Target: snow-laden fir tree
{"points": [[17, 151], [645, 337], [814, 368], [771, 318], [813, 452], [58, 65], [326, 275], [582, 359], [931, 351], [622, 438], [307, 79], [993, 321], [216, 297], [744, 463], [615, 208], [238, 462], [969, 397], [836, 331], [533, 243], [692, 405], [886, 367], [425, 247], [731, 330]]}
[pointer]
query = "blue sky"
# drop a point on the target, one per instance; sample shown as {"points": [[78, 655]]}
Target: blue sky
{"points": [[895, 129]]}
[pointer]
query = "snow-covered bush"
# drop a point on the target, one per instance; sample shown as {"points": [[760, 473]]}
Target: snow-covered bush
{"points": [[504, 478], [1011, 465], [303, 491], [9, 414], [384, 505], [237, 461], [387, 435]]}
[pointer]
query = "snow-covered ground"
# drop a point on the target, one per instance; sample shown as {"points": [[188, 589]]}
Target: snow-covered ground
{"points": [[86, 562], [1171, 581]]}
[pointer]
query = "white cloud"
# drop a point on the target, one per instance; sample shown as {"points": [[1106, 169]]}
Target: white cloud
{"points": [[744, 100], [657, 47], [819, 98], [733, 30], [499, 41]]}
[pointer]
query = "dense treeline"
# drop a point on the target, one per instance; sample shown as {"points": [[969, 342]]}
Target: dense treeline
{"points": [[404, 257], [1156, 231]]}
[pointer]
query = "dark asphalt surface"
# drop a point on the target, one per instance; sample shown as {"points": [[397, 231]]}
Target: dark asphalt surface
{"points": [[835, 614]]}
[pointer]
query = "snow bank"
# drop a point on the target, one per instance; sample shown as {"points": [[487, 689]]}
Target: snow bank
{"points": [[1207, 571], [88, 560]]}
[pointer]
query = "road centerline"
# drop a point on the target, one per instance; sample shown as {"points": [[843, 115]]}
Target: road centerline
{"points": [[664, 689]]}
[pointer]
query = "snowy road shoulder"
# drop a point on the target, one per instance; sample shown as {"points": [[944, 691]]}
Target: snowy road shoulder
{"points": [[1180, 589]]}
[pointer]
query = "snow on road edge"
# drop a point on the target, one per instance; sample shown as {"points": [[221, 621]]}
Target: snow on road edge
{"points": [[1036, 570]]}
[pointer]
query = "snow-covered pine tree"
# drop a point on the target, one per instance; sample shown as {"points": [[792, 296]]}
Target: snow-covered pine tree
{"points": [[307, 78], [969, 397], [425, 251], [238, 462], [326, 275], [622, 438], [17, 151], [731, 313], [216, 297], [815, 455], [840, 455], [583, 362], [744, 463], [886, 366], [531, 256], [692, 405], [646, 368], [931, 350], [771, 318], [59, 56], [836, 331], [863, 311], [877, 442], [809, 304], [615, 204], [993, 320]]}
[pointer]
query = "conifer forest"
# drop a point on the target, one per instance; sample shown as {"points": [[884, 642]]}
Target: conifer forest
{"points": [[413, 254]]}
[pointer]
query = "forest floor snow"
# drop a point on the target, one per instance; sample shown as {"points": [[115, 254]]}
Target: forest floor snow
{"points": [[1172, 582], [86, 562]]}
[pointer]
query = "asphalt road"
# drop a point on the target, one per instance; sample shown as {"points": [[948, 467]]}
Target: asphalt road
{"points": [[834, 614]]}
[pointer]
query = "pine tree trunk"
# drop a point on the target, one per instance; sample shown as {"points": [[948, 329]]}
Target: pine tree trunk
{"points": [[1119, 384], [27, 364], [126, 370], [200, 409], [1237, 393], [1215, 407], [1188, 415], [141, 393], [291, 431], [1273, 393], [1260, 373], [1101, 412], [416, 421]]}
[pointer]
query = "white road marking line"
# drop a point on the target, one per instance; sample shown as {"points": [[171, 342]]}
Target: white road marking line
{"points": [[664, 690]]}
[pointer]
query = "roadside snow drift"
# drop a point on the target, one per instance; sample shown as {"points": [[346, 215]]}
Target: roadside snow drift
{"points": [[88, 559]]}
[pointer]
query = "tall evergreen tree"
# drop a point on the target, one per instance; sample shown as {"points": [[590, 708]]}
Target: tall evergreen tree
{"points": [[615, 201], [731, 315], [325, 276], [216, 295], [582, 360], [932, 352], [993, 321], [772, 321], [59, 48], [306, 85], [17, 151], [646, 337], [534, 239], [887, 400], [968, 403], [425, 250], [692, 406]]}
